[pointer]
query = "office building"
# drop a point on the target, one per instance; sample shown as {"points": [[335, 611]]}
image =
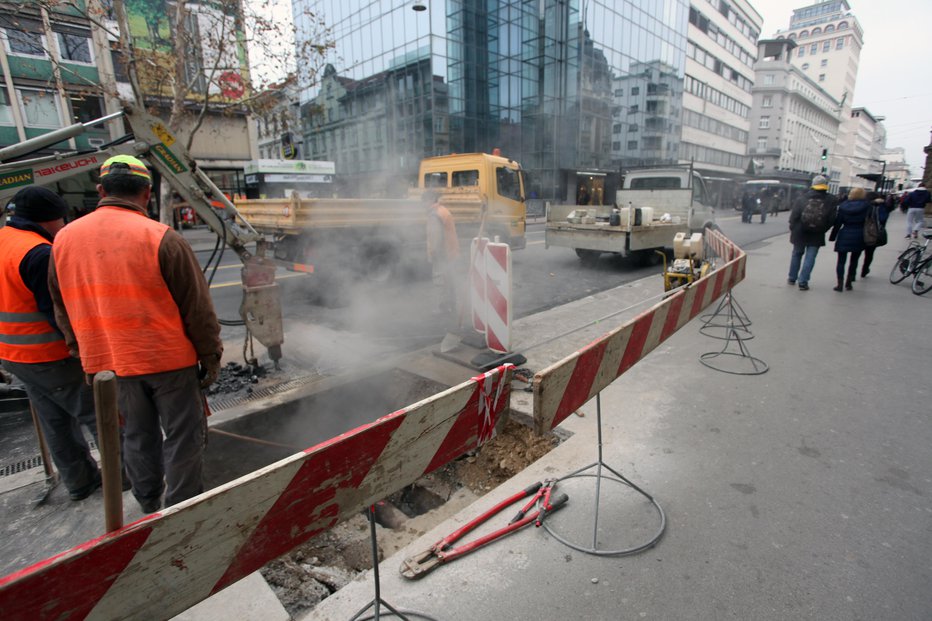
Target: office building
{"points": [[549, 84], [829, 41], [720, 55], [793, 121]]}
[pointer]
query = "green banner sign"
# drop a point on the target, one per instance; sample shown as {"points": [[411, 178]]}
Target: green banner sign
{"points": [[169, 159], [16, 178]]}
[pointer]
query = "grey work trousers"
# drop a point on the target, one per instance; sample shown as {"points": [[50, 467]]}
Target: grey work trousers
{"points": [[63, 402], [168, 403]]}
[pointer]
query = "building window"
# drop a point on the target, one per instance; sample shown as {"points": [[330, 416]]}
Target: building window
{"points": [[814, 48], [826, 46], [6, 110], [767, 101], [616, 146], [816, 31], [764, 123], [761, 144], [75, 48], [22, 43], [40, 108], [804, 34], [821, 77], [768, 78], [87, 108], [632, 145], [805, 66], [830, 28], [839, 43], [824, 63], [802, 52], [636, 90], [843, 26], [619, 92]]}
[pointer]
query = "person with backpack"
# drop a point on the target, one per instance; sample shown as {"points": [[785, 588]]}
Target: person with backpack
{"points": [[914, 206], [812, 215], [848, 235], [878, 214]]}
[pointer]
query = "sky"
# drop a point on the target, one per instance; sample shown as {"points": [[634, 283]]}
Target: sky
{"points": [[894, 67], [893, 73]]}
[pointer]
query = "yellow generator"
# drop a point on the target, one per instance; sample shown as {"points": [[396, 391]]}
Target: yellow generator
{"points": [[688, 264]]}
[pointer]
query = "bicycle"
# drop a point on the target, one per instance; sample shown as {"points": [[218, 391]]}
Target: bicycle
{"points": [[922, 280], [910, 259]]}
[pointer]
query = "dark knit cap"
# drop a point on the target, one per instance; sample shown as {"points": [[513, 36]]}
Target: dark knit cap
{"points": [[38, 204]]}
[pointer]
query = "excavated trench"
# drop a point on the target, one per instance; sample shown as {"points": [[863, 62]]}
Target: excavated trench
{"points": [[302, 578]]}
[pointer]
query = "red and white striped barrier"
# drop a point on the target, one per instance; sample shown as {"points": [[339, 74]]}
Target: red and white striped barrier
{"points": [[498, 297], [562, 388], [477, 283], [163, 564]]}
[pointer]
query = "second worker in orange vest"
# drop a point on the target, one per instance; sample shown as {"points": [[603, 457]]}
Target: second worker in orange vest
{"points": [[443, 250], [130, 297], [31, 347]]}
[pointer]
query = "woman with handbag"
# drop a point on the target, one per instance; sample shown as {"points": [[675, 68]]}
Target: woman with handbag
{"points": [[848, 235], [879, 213]]}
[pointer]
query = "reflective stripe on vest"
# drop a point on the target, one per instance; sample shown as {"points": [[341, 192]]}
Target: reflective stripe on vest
{"points": [[26, 336], [120, 308]]}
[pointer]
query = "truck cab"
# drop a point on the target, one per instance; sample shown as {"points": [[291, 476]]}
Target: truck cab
{"points": [[664, 189], [467, 181]]}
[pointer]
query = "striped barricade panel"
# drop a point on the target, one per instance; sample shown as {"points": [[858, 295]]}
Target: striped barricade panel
{"points": [[477, 281], [563, 387], [498, 291], [165, 563]]}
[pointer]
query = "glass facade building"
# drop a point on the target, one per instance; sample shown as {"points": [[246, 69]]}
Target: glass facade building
{"points": [[572, 89]]}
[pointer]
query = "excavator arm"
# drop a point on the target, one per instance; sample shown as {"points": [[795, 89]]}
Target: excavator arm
{"points": [[150, 139]]}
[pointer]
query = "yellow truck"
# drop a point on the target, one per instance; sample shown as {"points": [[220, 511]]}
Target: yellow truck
{"points": [[374, 238]]}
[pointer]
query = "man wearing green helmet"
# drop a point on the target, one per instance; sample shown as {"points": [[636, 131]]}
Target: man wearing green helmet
{"points": [[130, 297]]}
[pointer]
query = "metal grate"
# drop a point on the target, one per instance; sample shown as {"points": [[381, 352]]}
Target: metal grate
{"points": [[262, 393], [21, 466]]}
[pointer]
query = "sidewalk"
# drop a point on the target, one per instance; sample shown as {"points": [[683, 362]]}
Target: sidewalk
{"points": [[802, 493]]}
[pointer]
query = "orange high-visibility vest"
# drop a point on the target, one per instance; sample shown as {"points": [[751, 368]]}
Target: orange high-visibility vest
{"points": [[451, 243], [120, 308], [26, 335]]}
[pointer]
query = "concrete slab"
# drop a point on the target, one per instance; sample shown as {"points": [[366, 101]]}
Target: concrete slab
{"points": [[250, 599]]}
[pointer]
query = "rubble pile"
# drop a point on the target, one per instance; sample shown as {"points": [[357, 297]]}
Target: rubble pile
{"points": [[235, 377]]}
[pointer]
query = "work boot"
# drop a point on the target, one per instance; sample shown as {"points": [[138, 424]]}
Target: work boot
{"points": [[865, 272], [848, 286], [83, 492], [838, 286]]}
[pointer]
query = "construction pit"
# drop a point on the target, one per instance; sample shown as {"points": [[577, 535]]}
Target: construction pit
{"points": [[260, 416]]}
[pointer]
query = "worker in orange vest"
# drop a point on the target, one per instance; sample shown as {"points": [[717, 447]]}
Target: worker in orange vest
{"points": [[443, 250], [32, 348], [130, 297]]}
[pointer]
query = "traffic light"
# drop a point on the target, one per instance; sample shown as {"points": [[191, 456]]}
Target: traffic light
{"points": [[824, 154]]}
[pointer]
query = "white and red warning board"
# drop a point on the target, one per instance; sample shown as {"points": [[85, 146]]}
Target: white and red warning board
{"points": [[562, 388], [498, 296], [163, 564], [491, 292], [477, 283]]}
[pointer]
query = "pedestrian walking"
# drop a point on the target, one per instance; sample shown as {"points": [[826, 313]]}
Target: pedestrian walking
{"points": [[848, 235], [811, 216], [31, 346], [915, 203], [747, 207], [130, 297], [879, 210], [443, 251]]}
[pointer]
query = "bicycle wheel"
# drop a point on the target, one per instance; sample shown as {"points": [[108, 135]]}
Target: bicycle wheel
{"points": [[904, 265], [922, 281]]}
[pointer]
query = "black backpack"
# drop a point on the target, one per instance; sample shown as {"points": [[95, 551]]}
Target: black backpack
{"points": [[874, 233], [813, 218]]}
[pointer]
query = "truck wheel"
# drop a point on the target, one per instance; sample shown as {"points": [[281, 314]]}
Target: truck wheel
{"points": [[588, 256], [378, 263], [646, 258]]}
